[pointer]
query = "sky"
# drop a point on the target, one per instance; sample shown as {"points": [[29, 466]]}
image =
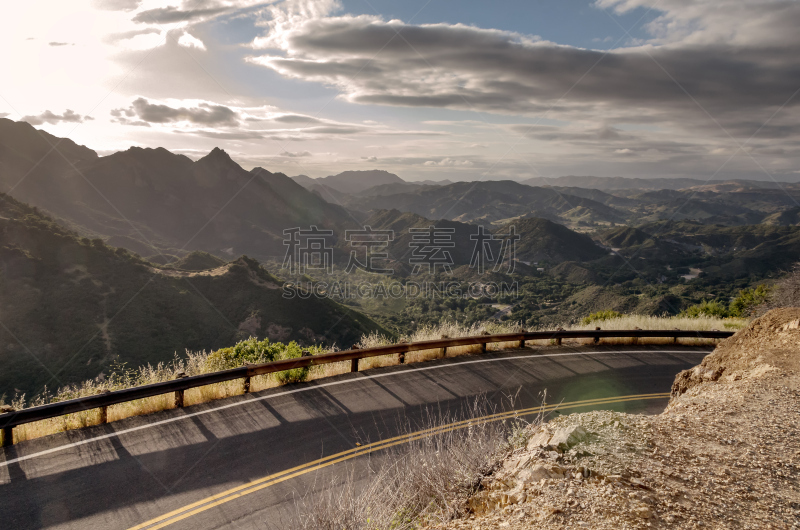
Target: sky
{"points": [[426, 89]]}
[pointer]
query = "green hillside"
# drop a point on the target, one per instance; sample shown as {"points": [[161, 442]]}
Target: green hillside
{"points": [[543, 240], [70, 306]]}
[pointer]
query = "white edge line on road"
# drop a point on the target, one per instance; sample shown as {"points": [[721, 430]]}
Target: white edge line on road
{"points": [[311, 387]]}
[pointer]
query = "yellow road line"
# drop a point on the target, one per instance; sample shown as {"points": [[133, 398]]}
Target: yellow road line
{"points": [[270, 480]]}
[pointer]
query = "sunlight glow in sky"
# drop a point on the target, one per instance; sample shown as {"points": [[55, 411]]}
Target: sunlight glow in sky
{"points": [[428, 90]]}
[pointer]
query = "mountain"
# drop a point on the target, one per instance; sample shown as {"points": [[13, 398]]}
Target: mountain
{"points": [[539, 240], [352, 181], [493, 201], [72, 306], [156, 202], [543, 240], [401, 249], [789, 217], [613, 183]]}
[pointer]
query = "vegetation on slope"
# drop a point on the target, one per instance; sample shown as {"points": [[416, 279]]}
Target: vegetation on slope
{"points": [[71, 306]]}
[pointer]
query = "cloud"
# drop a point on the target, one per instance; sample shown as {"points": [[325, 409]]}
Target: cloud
{"points": [[701, 70], [449, 162], [223, 135], [297, 118], [203, 114], [56, 44], [49, 117], [171, 14], [187, 40], [298, 154], [116, 5], [4, 114]]}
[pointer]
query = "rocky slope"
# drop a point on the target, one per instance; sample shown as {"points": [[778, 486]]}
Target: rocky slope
{"points": [[724, 454]]}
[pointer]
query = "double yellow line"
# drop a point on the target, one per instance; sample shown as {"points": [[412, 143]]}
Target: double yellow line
{"points": [[265, 482]]}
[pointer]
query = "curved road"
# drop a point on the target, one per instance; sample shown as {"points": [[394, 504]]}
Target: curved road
{"points": [[224, 464]]}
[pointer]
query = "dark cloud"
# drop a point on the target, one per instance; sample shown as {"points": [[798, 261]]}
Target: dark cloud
{"points": [[204, 114], [116, 5], [296, 118], [709, 72], [171, 14], [492, 70], [52, 118]]}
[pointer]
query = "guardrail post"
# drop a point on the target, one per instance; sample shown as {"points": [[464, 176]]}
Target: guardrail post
{"points": [[8, 432], [558, 340], [104, 410], [401, 357], [522, 343], [246, 382], [354, 362], [597, 337], [483, 344], [636, 339], [675, 338], [444, 350], [179, 393]]}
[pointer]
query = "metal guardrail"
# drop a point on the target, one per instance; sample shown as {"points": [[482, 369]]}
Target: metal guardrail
{"points": [[12, 418]]}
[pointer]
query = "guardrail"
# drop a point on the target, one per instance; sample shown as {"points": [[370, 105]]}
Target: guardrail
{"points": [[12, 418]]}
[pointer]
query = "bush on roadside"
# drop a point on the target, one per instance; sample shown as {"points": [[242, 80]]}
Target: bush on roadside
{"points": [[748, 300], [254, 351], [706, 308], [599, 316]]}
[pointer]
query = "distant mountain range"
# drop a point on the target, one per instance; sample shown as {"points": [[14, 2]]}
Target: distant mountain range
{"points": [[491, 201], [153, 201], [351, 181], [627, 183]]}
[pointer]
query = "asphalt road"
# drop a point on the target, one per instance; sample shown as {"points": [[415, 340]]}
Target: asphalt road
{"points": [[130, 473]]}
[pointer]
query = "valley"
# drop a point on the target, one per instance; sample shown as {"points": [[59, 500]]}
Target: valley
{"points": [[195, 253]]}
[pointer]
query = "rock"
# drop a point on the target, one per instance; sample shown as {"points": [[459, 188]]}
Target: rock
{"points": [[537, 473], [517, 495], [643, 511], [565, 438], [539, 440]]}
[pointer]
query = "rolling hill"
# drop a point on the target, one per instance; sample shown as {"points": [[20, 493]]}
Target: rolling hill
{"points": [[490, 201], [351, 182], [72, 306]]}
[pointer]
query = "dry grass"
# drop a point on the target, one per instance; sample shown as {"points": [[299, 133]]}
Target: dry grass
{"points": [[196, 363], [424, 482], [705, 323]]}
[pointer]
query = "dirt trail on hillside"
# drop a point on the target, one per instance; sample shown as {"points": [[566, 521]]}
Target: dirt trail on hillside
{"points": [[725, 453]]}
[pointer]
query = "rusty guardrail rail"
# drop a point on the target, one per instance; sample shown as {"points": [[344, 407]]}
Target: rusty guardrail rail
{"points": [[12, 418]]}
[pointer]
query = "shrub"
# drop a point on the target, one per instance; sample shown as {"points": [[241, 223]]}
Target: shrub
{"points": [[253, 351], [706, 308], [599, 316], [247, 351], [295, 375], [748, 299]]}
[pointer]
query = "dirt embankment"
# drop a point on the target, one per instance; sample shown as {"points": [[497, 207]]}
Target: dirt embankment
{"points": [[725, 453]]}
